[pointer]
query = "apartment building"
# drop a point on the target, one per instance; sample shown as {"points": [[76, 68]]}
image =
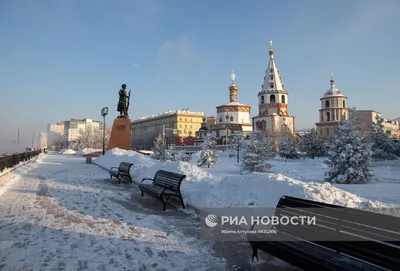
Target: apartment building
{"points": [[178, 127], [70, 129], [367, 117]]}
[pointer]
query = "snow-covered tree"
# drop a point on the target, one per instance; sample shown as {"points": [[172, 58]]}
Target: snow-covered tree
{"points": [[90, 138], [349, 158], [288, 145], [382, 146], [160, 149], [312, 144], [256, 153], [208, 154]]}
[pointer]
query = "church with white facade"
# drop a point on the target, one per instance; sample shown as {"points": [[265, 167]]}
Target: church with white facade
{"points": [[231, 117], [273, 102]]}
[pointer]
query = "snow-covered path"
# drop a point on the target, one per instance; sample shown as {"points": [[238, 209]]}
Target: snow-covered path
{"points": [[62, 214]]}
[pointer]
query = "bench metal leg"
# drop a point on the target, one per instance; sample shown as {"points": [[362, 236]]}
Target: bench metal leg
{"points": [[181, 199], [255, 253], [119, 179], [142, 193]]}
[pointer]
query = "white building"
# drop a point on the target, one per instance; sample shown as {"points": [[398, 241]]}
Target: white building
{"points": [[43, 140], [70, 129], [232, 116], [273, 103], [333, 109]]}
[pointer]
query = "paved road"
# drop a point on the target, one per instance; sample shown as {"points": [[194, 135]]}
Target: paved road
{"points": [[62, 214]]}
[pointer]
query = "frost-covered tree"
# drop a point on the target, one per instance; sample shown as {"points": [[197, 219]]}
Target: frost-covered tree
{"points": [[288, 145], [256, 153], [208, 154], [349, 158], [159, 149], [90, 138], [312, 144], [382, 146]]}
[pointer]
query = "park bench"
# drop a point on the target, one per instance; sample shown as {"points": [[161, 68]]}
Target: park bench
{"points": [[121, 172], [341, 238], [164, 185]]}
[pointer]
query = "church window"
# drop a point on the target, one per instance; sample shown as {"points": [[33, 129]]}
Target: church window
{"points": [[272, 78], [326, 104], [262, 99], [344, 104], [231, 118], [272, 99], [220, 119], [328, 116], [283, 99], [272, 85]]}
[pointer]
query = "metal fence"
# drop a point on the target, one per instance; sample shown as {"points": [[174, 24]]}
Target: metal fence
{"points": [[14, 159]]}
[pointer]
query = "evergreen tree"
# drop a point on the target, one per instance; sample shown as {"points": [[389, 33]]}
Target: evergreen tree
{"points": [[349, 158], [288, 145], [159, 149], [256, 153], [382, 146], [312, 144], [208, 155]]}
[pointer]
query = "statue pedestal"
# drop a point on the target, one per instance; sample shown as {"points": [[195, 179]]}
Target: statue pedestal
{"points": [[120, 134]]}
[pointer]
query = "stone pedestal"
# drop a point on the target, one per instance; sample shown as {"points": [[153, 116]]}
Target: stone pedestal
{"points": [[120, 134]]}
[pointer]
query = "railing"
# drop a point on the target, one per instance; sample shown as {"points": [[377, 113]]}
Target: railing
{"points": [[14, 159], [198, 148]]}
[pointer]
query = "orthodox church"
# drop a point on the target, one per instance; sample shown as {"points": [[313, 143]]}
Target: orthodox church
{"points": [[273, 103], [232, 116], [333, 108]]}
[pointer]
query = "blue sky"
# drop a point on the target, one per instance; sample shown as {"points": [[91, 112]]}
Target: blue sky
{"points": [[67, 59]]}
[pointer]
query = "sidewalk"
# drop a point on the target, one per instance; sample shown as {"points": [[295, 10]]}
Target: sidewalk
{"points": [[64, 214]]}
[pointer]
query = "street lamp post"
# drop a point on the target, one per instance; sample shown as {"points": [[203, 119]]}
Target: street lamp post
{"points": [[104, 112]]}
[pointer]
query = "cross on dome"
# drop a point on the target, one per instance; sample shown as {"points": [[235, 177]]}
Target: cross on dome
{"points": [[233, 76]]}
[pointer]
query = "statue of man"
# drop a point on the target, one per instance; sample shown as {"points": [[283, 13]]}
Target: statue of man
{"points": [[122, 102]]}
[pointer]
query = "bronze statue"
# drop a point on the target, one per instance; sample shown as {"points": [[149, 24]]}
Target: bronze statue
{"points": [[123, 102]]}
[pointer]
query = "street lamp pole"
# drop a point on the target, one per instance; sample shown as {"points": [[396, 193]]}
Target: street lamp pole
{"points": [[104, 112]]}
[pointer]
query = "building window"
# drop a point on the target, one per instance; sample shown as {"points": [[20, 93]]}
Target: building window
{"points": [[272, 85], [326, 104], [185, 126], [272, 78], [185, 119], [190, 126], [231, 119], [283, 99], [328, 116], [262, 99], [180, 119], [344, 104], [220, 119], [272, 99], [180, 126]]}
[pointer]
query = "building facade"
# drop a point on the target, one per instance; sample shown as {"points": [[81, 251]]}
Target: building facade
{"points": [[43, 140], [201, 133], [366, 118], [273, 103], [231, 117], [178, 127], [333, 109], [69, 130]]}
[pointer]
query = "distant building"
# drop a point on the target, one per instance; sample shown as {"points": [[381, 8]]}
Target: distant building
{"points": [[69, 130], [273, 104], [333, 109], [43, 140], [231, 117], [367, 117], [201, 133], [178, 126], [211, 121]]}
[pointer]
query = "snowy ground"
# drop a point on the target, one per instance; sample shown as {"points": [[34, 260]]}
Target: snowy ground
{"points": [[224, 186], [62, 214]]}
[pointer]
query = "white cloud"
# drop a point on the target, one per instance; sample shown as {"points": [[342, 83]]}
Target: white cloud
{"points": [[179, 49]]}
